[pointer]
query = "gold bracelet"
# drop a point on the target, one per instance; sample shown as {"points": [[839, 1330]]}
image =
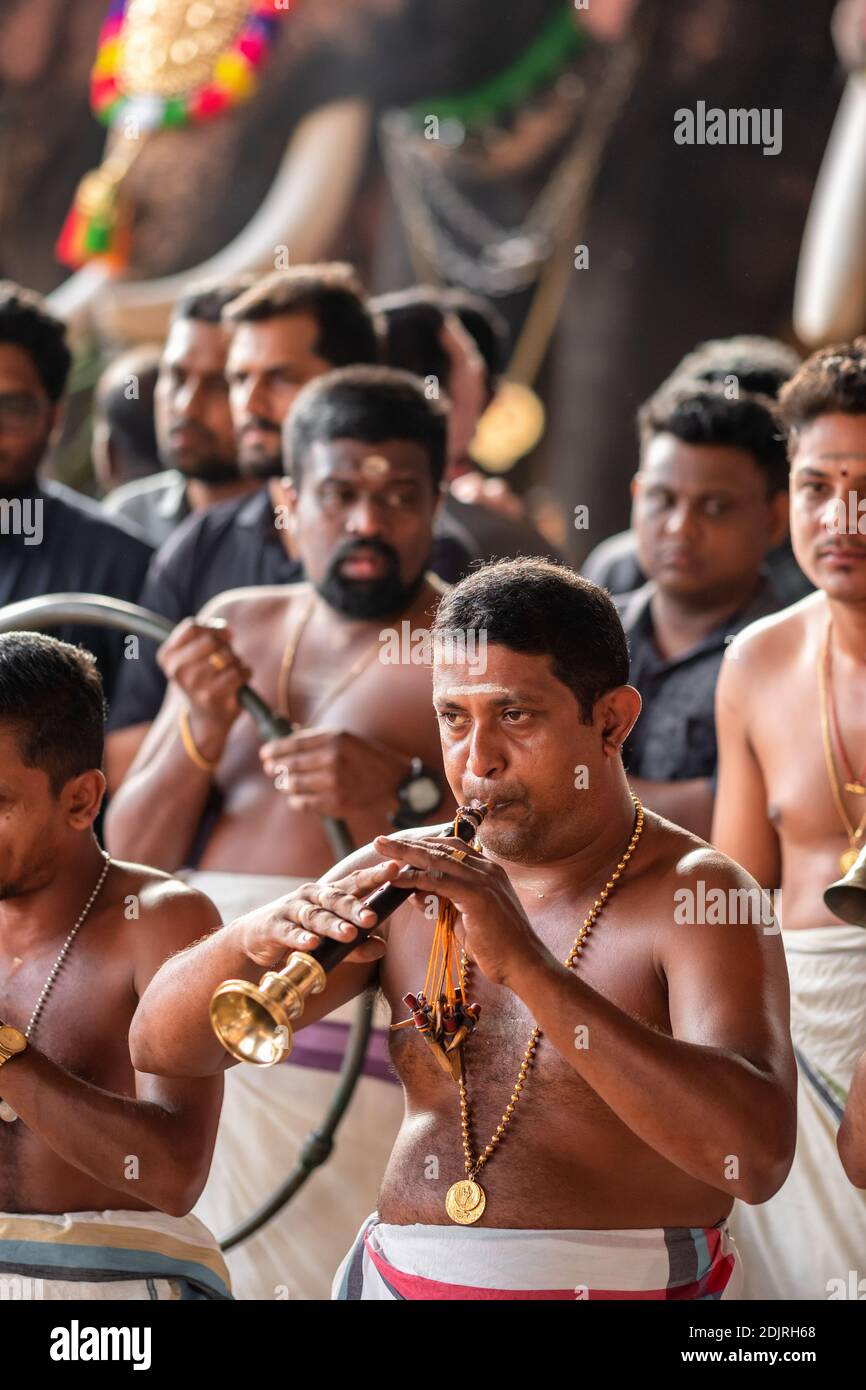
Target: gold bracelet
{"points": [[189, 744]]}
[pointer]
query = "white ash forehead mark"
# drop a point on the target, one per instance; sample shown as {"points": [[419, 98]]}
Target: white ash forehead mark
{"points": [[477, 690], [375, 466]]}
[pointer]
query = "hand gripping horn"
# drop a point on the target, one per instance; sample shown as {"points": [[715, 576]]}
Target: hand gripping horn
{"points": [[94, 610]]}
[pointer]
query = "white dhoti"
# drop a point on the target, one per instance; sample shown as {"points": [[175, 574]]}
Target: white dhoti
{"points": [[806, 1241], [267, 1114]]}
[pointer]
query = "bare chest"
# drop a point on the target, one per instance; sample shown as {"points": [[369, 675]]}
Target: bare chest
{"points": [[386, 705], [798, 738], [84, 1022]]}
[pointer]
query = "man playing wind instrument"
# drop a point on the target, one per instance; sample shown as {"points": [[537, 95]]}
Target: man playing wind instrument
{"points": [[633, 1076]]}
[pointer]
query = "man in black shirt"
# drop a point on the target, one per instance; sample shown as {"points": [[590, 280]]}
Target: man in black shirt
{"points": [[747, 362], [287, 329], [710, 499], [52, 539], [195, 441]]}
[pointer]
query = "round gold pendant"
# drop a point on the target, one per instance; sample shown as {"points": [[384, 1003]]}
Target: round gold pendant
{"points": [[511, 425], [465, 1201], [848, 859]]}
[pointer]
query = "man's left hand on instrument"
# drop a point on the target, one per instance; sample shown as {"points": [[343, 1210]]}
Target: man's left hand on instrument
{"points": [[334, 773], [491, 923]]}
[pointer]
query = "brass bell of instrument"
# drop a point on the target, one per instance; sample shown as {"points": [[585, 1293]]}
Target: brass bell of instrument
{"points": [[846, 898], [254, 1022]]}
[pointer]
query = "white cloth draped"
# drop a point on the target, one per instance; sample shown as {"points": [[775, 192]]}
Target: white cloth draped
{"points": [[813, 1232]]}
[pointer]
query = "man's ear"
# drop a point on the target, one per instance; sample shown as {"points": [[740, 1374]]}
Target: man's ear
{"points": [[617, 712], [56, 416], [284, 496], [778, 509], [82, 797], [287, 491], [635, 488], [439, 495]]}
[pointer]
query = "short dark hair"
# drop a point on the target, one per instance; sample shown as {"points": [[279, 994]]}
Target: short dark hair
{"points": [[761, 365], [26, 323], [368, 403], [206, 301], [541, 608], [51, 694], [331, 294], [411, 323], [700, 413], [413, 319], [483, 323], [131, 419], [830, 382]]}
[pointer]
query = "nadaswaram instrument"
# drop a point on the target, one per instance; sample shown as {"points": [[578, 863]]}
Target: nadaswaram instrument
{"points": [[254, 1022]]}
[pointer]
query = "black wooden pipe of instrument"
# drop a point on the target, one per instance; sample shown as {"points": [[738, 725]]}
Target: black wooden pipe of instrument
{"points": [[389, 897]]}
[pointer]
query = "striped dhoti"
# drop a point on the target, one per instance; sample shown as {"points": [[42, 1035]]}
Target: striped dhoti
{"points": [[457, 1262], [113, 1255]]}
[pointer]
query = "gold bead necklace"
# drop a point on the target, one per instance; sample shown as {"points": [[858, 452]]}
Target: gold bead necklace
{"points": [[465, 1199]]}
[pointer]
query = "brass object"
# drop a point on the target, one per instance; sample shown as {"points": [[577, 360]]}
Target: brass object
{"points": [[465, 1201], [846, 898], [254, 1022], [510, 428], [169, 46]]}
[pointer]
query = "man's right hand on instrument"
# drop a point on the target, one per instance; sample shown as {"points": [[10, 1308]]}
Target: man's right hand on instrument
{"points": [[199, 660], [304, 918]]}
